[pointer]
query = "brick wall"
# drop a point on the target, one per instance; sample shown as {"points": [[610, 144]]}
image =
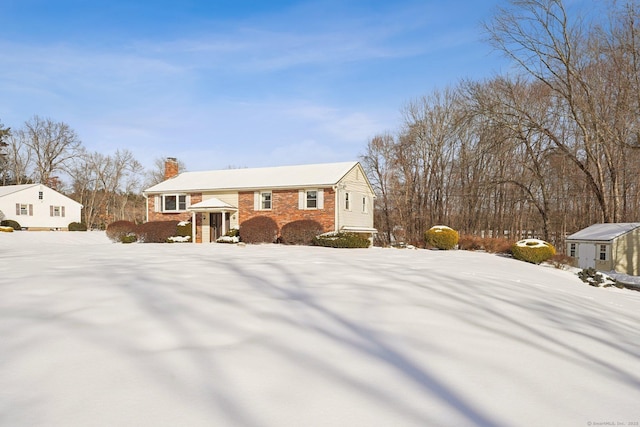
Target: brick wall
{"points": [[285, 208]]}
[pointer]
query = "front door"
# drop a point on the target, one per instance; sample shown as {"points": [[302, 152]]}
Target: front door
{"points": [[215, 220]]}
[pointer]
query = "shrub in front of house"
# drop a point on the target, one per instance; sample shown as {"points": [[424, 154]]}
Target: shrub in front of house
{"points": [[183, 233], [341, 240], [10, 223], [593, 277], [118, 229], [231, 236], [441, 237], [4, 229], [533, 250], [77, 226], [157, 231], [259, 229], [129, 238], [300, 232]]}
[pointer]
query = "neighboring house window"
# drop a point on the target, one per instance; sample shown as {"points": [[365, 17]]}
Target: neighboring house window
{"points": [[40, 195], [347, 201], [56, 211], [572, 250], [312, 199], [603, 252], [174, 202], [24, 209], [365, 208], [265, 200]]}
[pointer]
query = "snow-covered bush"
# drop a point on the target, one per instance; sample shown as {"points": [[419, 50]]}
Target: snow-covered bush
{"points": [[232, 236], [533, 250], [119, 229], [441, 237], [595, 278], [259, 229], [300, 232], [4, 229], [341, 240], [11, 223]]}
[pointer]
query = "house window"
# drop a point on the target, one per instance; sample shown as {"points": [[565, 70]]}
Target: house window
{"points": [[603, 253], [24, 209], [364, 204], [572, 250], [347, 202], [174, 202], [40, 195], [265, 200], [312, 199], [56, 211]]}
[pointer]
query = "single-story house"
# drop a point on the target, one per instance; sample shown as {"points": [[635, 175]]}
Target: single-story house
{"points": [[607, 247], [337, 195], [38, 207]]}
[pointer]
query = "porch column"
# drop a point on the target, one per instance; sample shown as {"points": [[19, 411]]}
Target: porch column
{"points": [[224, 223], [193, 227]]}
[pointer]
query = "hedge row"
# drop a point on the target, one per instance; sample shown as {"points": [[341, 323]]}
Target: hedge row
{"points": [[149, 232]]}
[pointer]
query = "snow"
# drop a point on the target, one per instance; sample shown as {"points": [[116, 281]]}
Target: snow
{"points": [[105, 334], [532, 243]]}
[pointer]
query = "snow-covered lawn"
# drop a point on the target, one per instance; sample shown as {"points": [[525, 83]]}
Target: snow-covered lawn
{"points": [[100, 334]]}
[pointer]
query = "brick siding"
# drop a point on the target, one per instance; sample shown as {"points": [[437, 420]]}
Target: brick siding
{"points": [[285, 208]]}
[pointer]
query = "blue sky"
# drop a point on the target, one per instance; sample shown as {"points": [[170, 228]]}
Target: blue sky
{"points": [[234, 83]]}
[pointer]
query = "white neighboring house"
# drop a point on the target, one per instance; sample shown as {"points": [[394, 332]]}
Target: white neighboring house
{"points": [[38, 207]]}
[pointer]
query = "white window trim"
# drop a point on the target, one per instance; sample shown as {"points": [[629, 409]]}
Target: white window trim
{"points": [[365, 205], [347, 201], [177, 196], [257, 200], [605, 252], [302, 199]]}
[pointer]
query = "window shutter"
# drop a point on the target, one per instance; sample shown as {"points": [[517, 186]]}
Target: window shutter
{"points": [[30, 210], [18, 209], [301, 199], [320, 199], [256, 200], [50, 210], [188, 200], [62, 209], [156, 204]]}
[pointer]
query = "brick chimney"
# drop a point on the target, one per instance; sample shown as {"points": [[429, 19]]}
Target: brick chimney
{"points": [[171, 167]]}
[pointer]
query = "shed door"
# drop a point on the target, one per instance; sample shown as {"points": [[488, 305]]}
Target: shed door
{"points": [[586, 255]]}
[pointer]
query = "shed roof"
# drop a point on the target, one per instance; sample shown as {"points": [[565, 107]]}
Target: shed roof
{"points": [[604, 232], [325, 174]]}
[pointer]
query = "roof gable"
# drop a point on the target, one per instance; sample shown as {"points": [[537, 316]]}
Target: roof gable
{"points": [[604, 232], [321, 175]]}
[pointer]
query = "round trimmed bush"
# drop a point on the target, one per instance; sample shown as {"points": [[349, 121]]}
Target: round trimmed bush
{"points": [[533, 250], [259, 229], [11, 223], [300, 232], [77, 226], [118, 229], [441, 237]]}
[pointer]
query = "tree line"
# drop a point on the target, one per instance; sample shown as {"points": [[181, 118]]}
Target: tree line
{"points": [[46, 151], [543, 151]]}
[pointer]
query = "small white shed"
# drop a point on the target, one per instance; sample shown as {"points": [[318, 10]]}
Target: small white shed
{"points": [[38, 207], [607, 247]]}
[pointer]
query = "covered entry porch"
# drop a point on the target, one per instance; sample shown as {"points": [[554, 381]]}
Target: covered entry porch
{"points": [[214, 218]]}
